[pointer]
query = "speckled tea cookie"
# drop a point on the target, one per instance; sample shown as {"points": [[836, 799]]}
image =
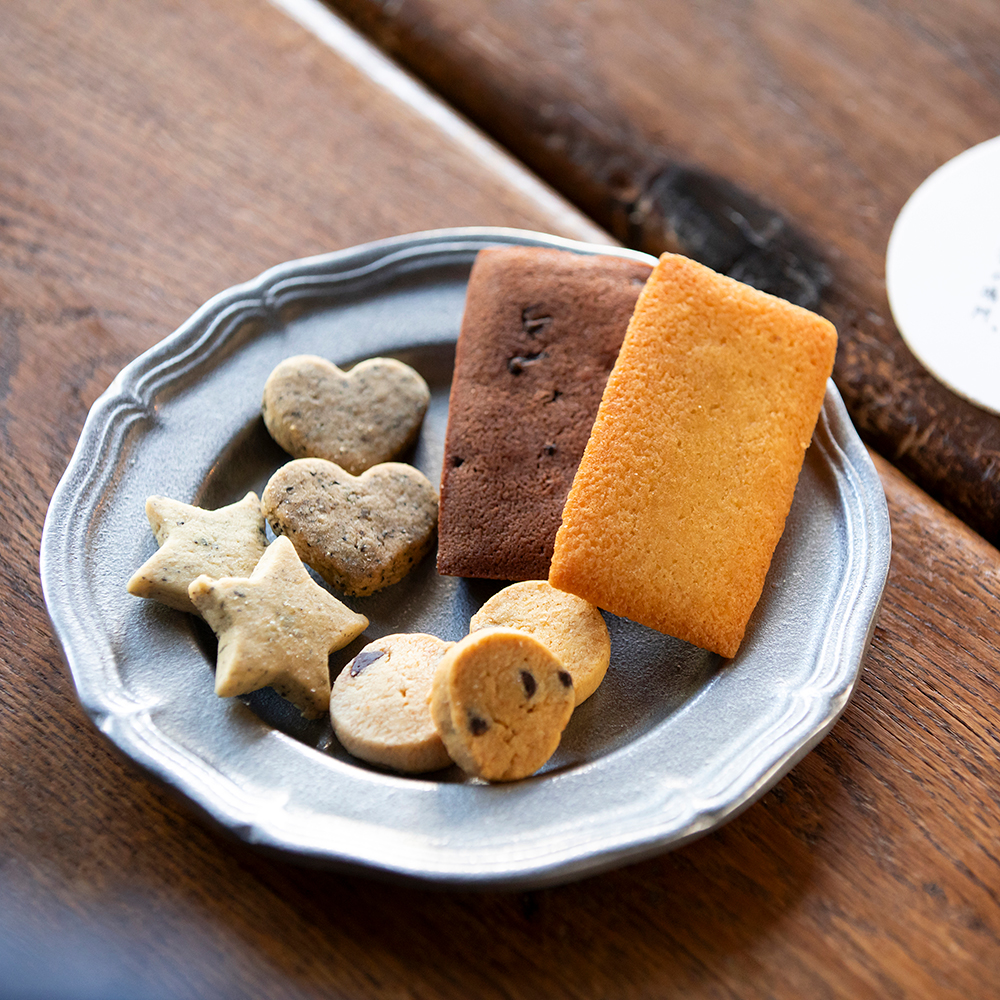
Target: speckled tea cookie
{"points": [[276, 629], [223, 542], [571, 627], [357, 419], [500, 702], [380, 705], [360, 534]]}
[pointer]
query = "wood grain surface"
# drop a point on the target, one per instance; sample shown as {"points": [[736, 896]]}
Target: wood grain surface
{"points": [[776, 142], [156, 152]]}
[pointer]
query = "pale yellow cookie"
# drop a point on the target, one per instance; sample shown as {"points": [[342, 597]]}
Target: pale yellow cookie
{"points": [[570, 626], [380, 705], [276, 629], [500, 702], [359, 533], [223, 542], [357, 419]]}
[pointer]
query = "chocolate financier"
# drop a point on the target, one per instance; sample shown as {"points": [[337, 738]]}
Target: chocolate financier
{"points": [[540, 335]]}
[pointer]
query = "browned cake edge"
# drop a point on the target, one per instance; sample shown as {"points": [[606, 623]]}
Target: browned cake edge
{"points": [[595, 509]]}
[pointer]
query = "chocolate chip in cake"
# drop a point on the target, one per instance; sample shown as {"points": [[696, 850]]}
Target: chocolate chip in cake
{"points": [[517, 365], [533, 320], [528, 680], [477, 726], [567, 680]]}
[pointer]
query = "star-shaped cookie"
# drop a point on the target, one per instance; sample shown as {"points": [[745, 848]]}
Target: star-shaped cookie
{"points": [[276, 629], [224, 542]]}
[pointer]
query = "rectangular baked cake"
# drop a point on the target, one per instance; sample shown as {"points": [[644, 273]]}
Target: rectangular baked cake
{"points": [[540, 333], [682, 494]]}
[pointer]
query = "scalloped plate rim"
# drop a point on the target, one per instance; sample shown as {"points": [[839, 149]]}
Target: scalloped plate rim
{"points": [[120, 716]]}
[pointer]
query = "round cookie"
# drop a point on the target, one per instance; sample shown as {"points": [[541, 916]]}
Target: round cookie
{"points": [[380, 704], [500, 702], [357, 419], [360, 533], [571, 627]]}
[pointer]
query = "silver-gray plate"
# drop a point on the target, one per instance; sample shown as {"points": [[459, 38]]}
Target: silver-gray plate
{"points": [[674, 743]]}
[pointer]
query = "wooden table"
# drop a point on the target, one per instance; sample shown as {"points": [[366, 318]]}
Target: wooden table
{"points": [[154, 153], [776, 142]]}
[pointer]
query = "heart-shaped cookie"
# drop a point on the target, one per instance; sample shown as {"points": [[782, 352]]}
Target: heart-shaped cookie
{"points": [[357, 419], [360, 533]]}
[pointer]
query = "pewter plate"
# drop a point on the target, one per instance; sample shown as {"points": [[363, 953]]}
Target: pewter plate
{"points": [[674, 743]]}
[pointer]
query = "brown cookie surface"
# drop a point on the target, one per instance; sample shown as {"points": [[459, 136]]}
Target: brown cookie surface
{"points": [[360, 533], [500, 702], [357, 419], [540, 334]]}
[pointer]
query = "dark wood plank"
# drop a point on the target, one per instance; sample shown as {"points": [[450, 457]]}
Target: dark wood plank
{"points": [[152, 161], [774, 142]]}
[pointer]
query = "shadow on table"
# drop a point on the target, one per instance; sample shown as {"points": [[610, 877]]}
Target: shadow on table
{"points": [[657, 926], [234, 923]]}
